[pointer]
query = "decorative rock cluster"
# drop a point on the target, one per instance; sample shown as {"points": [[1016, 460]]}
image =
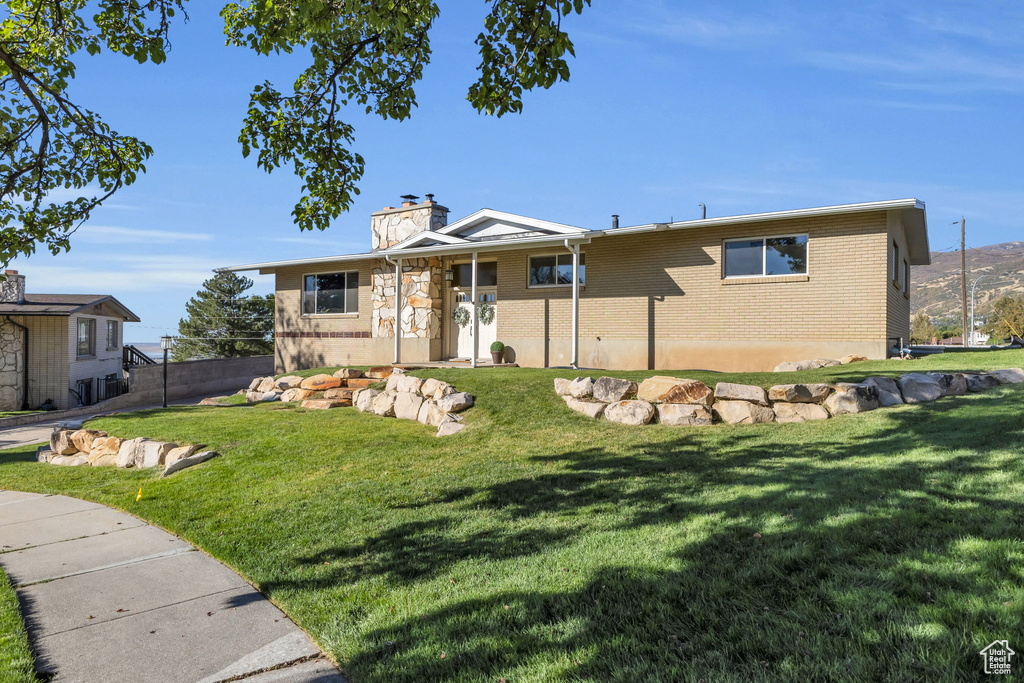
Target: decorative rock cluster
{"points": [[317, 392], [74, 447], [818, 363], [430, 401], [677, 401]]}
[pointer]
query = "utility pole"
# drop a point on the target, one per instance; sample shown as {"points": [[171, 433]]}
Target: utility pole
{"points": [[963, 280]]}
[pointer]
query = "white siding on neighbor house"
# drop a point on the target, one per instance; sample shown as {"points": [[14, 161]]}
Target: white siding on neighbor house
{"points": [[104, 362]]}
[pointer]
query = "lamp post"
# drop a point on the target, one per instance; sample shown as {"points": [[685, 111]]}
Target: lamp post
{"points": [[166, 342], [971, 343]]}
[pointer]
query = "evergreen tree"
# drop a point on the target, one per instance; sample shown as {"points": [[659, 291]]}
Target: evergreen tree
{"points": [[223, 323]]}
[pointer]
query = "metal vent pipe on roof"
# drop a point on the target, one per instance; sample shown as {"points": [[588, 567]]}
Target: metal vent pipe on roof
{"points": [[703, 210], [615, 220]]}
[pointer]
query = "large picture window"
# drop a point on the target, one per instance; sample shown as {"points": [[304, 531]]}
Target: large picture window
{"points": [[86, 336], [762, 256], [330, 293], [555, 270]]}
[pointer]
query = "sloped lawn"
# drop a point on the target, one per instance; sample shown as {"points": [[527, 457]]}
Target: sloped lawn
{"points": [[15, 655], [539, 545]]}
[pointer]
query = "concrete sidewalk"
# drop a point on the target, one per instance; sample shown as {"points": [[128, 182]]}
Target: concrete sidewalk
{"points": [[107, 597]]}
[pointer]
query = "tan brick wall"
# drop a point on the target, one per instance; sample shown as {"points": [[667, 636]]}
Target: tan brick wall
{"points": [[898, 303]]}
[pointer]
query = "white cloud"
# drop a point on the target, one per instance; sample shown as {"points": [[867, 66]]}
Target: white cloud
{"points": [[110, 234]]}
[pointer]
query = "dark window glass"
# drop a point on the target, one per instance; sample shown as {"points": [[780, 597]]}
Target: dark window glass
{"points": [[565, 269], [542, 270], [86, 336], [906, 278], [555, 270], [486, 274], [786, 255], [744, 258], [352, 292], [330, 293], [111, 334]]}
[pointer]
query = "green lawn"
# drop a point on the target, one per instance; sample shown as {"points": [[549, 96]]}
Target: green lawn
{"points": [[539, 545], [14, 413], [15, 656]]}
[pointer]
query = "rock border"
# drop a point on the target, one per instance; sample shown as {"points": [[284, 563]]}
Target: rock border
{"points": [[76, 446], [688, 402]]}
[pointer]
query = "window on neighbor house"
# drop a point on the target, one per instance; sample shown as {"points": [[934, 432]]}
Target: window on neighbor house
{"points": [[330, 293], [486, 274], [86, 336], [761, 256], [555, 270], [906, 277], [895, 263], [111, 334]]}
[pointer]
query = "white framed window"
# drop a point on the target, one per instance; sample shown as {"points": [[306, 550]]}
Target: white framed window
{"points": [[330, 293], [112, 341], [765, 256], [906, 277], [86, 336], [554, 270], [895, 270], [486, 274]]}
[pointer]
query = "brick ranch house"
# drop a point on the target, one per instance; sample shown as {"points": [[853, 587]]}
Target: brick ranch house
{"points": [[58, 347], [736, 293]]}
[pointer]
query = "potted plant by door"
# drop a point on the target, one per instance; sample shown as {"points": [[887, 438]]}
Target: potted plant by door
{"points": [[497, 352]]}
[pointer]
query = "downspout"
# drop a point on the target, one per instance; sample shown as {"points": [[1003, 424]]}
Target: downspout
{"points": [[398, 308], [575, 250], [24, 362]]}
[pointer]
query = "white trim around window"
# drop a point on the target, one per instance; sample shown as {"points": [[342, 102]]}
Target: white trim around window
{"points": [[764, 256], [349, 300], [557, 255]]}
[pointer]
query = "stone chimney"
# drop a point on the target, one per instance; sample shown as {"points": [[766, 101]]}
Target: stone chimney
{"points": [[12, 287], [391, 225]]}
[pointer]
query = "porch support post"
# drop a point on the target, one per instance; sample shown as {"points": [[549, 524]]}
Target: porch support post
{"points": [[398, 310], [476, 322], [575, 249]]}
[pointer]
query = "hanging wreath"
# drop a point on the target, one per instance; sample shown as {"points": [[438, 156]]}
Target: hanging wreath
{"points": [[486, 312], [461, 316]]}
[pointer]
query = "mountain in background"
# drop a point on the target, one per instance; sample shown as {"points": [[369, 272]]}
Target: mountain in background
{"points": [[935, 289]]}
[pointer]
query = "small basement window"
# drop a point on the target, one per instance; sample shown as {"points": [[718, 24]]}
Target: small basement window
{"points": [[555, 270], [330, 293], [762, 256]]}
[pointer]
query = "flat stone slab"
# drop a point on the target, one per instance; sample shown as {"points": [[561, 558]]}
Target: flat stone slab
{"points": [[43, 507], [93, 522], [56, 560]]}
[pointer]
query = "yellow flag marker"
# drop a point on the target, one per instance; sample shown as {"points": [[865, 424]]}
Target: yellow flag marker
{"points": [[139, 497]]}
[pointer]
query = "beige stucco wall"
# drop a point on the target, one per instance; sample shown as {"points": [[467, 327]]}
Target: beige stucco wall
{"points": [[658, 300]]}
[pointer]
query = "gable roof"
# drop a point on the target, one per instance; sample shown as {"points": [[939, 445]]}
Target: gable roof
{"points": [[488, 225], [64, 304]]}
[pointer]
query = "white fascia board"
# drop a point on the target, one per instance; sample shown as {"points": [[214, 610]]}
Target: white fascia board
{"points": [[427, 236], [498, 245], [269, 265], [490, 214], [797, 213]]}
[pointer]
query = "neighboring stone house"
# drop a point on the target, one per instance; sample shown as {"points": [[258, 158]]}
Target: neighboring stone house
{"points": [[57, 347], [733, 293]]}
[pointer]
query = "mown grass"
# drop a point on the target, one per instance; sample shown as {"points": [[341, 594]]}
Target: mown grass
{"points": [[15, 655], [539, 545]]}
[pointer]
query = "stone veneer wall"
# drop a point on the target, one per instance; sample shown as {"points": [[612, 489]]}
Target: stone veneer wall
{"points": [[391, 226], [12, 361], [421, 298]]}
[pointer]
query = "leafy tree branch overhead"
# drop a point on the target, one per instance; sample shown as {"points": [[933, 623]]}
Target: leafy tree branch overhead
{"points": [[363, 53]]}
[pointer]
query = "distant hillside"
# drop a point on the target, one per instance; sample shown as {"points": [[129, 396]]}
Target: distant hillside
{"points": [[936, 288]]}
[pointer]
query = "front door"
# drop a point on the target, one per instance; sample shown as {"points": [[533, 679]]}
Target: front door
{"points": [[461, 324]]}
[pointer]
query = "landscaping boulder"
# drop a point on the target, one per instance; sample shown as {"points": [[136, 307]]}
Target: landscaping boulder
{"points": [[610, 389], [255, 383], [384, 405], [661, 389], [340, 392], [453, 403], [852, 358], [799, 412], [407, 405], [61, 443], [888, 390], [683, 414], [951, 384], [106, 449], [83, 439], [43, 454], [269, 396], [128, 452], [826, 362], [152, 453], [362, 383], [435, 388], [379, 372], [105, 460], [288, 382], [848, 397], [592, 409], [191, 460], [629, 412], [797, 365], [407, 383], [742, 412], [581, 387], [449, 428], [740, 392], [325, 403], [213, 400], [430, 414], [981, 382], [70, 460], [1008, 376], [918, 387], [562, 386], [320, 382], [268, 384], [348, 373], [364, 398], [799, 393], [297, 394], [180, 453]]}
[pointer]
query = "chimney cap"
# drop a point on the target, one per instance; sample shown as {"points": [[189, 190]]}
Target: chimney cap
{"points": [[409, 197], [430, 197]]}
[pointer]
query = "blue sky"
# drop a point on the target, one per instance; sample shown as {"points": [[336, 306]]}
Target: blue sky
{"points": [[747, 107]]}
